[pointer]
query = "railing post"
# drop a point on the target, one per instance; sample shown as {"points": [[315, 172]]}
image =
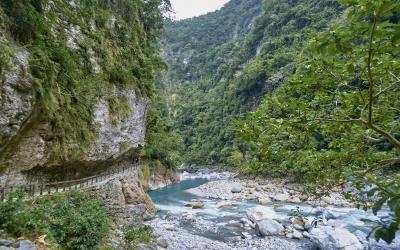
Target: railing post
{"points": [[41, 190], [33, 190], [49, 192], [3, 194]]}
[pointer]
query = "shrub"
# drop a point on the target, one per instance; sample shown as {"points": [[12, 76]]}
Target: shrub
{"points": [[74, 220], [135, 234]]}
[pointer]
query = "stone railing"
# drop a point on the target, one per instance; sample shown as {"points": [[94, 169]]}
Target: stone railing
{"points": [[62, 186]]}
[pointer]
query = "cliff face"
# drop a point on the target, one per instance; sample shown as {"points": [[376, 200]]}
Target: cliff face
{"points": [[73, 94]]}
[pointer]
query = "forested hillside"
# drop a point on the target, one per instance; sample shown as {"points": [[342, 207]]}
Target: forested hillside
{"points": [[222, 63], [308, 90]]}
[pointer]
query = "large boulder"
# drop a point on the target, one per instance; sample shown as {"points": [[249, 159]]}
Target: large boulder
{"points": [[268, 227], [281, 197], [264, 201], [372, 244], [26, 245], [261, 213], [329, 238], [236, 188]]}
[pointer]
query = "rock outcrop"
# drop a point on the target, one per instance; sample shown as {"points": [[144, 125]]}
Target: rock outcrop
{"points": [[161, 177], [125, 196], [28, 138]]}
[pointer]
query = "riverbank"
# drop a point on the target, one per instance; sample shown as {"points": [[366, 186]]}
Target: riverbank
{"points": [[220, 211], [265, 192]]}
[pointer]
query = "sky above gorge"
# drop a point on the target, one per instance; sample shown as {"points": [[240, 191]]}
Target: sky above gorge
{"points": [[189, 8]]}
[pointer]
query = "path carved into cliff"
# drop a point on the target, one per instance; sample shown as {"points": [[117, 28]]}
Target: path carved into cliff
{"points": [[40, 189]]}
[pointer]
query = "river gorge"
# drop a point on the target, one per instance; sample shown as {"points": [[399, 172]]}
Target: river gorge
{"points": [[216, 210]]}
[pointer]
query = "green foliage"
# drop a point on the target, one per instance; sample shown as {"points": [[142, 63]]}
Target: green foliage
{"points": [[118, 108], [72, 220], [388, 191], [163, 145], [228, 72], [5, 57], [337, 119], [146, 172], [135, 234], [206, 39], [66, 83], [26, 19]]}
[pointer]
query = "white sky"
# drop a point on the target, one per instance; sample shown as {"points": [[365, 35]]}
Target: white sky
{"points": [[190, 8]]}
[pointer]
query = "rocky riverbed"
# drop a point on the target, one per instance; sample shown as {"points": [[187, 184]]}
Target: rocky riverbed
{"points": [[219, 211]]}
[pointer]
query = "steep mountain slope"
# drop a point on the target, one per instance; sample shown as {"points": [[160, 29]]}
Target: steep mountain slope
{"points": [[192, 44], [218, 80]]}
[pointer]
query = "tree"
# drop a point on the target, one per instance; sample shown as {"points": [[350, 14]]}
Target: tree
{"points": [[337, 120]]}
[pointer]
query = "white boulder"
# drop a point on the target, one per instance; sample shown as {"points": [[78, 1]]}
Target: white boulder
{"points": [[268, 227], [281, 197], [258, 213], [236, 188], [329, 238]]}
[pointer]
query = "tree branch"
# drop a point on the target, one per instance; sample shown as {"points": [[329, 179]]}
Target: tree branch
{"points": [[337, 120], [369, 70], [384, 133], [381, 165]]}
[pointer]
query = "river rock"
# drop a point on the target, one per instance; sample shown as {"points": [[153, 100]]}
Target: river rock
{"points": [[26, 245], [169, 227], [297, 235], [289, 235], [308, 225], [162, 243], [298, 223], [5, 243], [294, 200], [304, 197], [224, 204], [233, 223], [329, 216], [236, 188], [286, 222], [264, 201], [372, 244], [245, 221], [6, 248], [246, 235], [260, 213], [298, 227], [281, 197], [329, 238], [197, 205], [189, 218], [144, 247], [268, 227]]}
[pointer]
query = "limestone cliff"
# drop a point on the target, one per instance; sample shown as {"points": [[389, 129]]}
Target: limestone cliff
{"points": [[75, 81]]}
